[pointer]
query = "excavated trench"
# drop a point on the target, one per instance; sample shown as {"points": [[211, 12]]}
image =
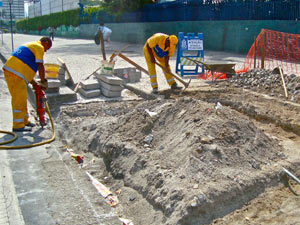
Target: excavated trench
{"points": [[188, 159]]}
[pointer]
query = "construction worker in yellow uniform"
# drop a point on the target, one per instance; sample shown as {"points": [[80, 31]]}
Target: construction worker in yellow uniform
{"points": [[19, 70], [161, 47]]}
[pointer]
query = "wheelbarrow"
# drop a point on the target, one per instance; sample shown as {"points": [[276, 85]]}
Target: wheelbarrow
{"points": [[213, 67]]}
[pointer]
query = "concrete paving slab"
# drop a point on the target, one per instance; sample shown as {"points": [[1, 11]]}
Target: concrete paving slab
{"points": [[110, 93], [90, 84], [54, 83], [109, 79], [110, 87], [52, 90], [64, 95], [89, 93]]}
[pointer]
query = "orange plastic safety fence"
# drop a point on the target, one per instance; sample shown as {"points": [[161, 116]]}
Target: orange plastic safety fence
{"points": [[208, 75], [272, 49]]}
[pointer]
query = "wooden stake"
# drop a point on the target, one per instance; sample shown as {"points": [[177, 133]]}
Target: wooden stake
{"points": [[110, 60], [102, 45], [133, 63], [66, 68], [77, 85], [283, 82], [116, 53], [186, 84], [263, 50], [255, 52]]}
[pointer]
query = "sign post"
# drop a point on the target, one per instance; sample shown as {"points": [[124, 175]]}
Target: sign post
{"points": [[189, 46], [1, 18], [11, 30]]}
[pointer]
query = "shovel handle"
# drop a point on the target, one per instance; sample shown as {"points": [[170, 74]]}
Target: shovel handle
{"points": [[175, 76], [133, 63], [116, 53]]}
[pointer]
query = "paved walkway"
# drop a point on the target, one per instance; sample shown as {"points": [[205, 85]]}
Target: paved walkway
{"points": [[10, 213]]}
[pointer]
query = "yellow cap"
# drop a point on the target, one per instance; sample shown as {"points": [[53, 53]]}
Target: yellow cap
{"points": [[173, 39]]}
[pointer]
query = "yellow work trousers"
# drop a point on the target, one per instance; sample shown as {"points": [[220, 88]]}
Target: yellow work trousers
{"points": [[18, 90], [152, 71]]}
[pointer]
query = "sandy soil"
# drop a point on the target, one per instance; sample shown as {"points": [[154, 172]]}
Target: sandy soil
{"points": [[212, 156]]}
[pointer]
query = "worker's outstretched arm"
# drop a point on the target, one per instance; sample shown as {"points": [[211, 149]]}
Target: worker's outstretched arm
{"points": [[41, 69], [168, 70], [151, 53]]}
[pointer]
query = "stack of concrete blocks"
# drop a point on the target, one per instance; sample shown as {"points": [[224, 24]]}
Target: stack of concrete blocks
{"points": [[61, 75], [90, 88], [129, 75], [57, 92], [53, 85], [110, 85]]}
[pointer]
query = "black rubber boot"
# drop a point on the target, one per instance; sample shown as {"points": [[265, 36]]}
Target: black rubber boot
{"points": [[155, 91], [30, 124], [175, 87], [22, 129]]}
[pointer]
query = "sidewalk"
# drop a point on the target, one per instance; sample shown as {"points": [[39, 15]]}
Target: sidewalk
{"points": [[10, 213]]}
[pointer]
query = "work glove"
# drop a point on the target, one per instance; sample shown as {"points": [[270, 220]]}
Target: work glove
{"points": [[168, 69], [44, 84], [35, 86], [153, 60]]}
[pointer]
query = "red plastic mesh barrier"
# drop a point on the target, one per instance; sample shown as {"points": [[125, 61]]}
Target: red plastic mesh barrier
{"points": [[272, 49], [208, 76]]}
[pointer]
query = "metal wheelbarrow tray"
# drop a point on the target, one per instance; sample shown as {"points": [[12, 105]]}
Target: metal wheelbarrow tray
{"points": [[221, 67], [215, 66]]}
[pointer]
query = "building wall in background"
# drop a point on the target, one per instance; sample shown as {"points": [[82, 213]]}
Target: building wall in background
{"points": [[17, 9], [231, 36], [45, 7]]}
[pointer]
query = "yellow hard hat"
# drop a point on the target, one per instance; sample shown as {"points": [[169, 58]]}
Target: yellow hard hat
{"points": [[173, 40]]}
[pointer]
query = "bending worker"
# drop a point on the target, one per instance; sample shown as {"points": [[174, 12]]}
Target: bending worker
{"points": [[161, 47], [19, 70]]}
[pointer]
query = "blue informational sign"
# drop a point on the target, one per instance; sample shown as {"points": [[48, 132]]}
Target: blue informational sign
{"points": [[189, 47], [1, 4]]}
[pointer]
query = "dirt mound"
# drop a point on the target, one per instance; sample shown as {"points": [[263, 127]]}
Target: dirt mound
{"points": [[185, 157], [270, 82]]}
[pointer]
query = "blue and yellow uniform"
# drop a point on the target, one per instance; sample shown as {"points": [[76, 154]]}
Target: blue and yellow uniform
{"points": [[19, 70], [157, 45]]}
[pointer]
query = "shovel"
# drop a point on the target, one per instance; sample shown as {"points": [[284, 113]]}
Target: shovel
{"points": [[186, 84]]}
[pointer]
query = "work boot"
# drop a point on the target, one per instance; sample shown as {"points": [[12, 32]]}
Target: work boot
{"points": [[22, 129], [175, 87], [155, 91], [29, 124]]}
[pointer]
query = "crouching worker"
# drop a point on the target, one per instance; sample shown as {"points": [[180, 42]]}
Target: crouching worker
{"points": [[161, 47], [19, 70]]}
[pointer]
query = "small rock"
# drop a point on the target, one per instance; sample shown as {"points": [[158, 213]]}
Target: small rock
{"points": [[194, 202], [202, 198], [182, 176], [93, 127], [148, 139], [132, 198]]}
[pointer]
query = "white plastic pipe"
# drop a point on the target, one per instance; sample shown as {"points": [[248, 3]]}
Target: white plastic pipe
{"points": [[291, 175]]}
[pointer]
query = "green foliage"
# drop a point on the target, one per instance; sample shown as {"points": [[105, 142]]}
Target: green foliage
{"points": [[70, 17], [109, 10], [121, 6], [117, 8]]}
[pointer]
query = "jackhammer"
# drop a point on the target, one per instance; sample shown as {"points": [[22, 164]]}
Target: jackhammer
{"points": [[41, 108], [41, 100]]}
